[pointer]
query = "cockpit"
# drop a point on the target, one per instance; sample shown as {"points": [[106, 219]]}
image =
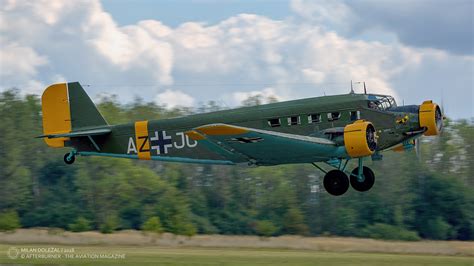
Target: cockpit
{"points": [[381, 102]]}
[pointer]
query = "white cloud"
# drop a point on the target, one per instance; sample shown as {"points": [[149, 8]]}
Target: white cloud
{"points": [[134, 46], [257, 50], [174, 98], [19, 60], [314, 75], [268, 93], [18, 66], [327, 13], [244, 55], [422, 23], [89, 46], [82, 42], [33, 87]]}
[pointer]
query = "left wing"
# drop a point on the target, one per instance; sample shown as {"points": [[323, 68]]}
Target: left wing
{"points": [[262, 146]]}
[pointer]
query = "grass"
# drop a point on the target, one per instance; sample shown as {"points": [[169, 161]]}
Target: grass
{"points": [[140, 249], [223, 256]]}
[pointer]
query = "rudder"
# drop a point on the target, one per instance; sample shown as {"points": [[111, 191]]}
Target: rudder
{"points": [[66, 108]]}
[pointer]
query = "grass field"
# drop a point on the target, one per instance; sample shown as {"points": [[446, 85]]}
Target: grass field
{"points": [[223, 256], [37, 246]]}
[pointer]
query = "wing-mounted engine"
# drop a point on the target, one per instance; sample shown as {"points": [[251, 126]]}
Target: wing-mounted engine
{"points": [[430, 118], [360, 139]]}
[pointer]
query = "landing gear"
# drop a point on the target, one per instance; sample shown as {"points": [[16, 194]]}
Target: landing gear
{"points": [[363, 182], [70, 157], [336, 182]]}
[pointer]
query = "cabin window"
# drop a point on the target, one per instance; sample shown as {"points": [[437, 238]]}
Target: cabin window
{"points": [[334, 116], [274, 122], [293, 120], [314, 118], [355, 115]]}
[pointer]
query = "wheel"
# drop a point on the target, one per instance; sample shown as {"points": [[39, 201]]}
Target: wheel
{"points": [[336, 182], [369, 179], [68, 159]]}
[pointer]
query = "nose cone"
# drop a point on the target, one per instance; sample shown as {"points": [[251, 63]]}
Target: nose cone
{"points": [[430, 118]]}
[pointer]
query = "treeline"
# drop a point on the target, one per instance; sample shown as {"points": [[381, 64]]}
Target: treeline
{"points": [[431, 197]]}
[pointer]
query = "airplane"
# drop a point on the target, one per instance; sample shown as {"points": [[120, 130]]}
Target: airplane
{"points": [[327, 129]]}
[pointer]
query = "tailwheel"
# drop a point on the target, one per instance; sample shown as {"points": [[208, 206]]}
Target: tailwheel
{"points": [[69, 158], [336, 182], [364, 182]]}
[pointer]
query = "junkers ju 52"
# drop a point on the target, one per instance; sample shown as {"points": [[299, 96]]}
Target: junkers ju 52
{"points": [[328, 129]]}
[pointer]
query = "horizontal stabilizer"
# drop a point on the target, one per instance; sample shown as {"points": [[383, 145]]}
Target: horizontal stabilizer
{"points": [[81, 133]]}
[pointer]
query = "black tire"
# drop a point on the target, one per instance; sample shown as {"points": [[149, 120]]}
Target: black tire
{"points": [[336, 182], [69, 160], [369, 179]]}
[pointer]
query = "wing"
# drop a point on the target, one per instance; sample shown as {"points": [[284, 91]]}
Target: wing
{"points": [[263, 147]]}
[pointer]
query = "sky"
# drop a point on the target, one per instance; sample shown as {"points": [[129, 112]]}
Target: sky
{"points": [[186, 53]]}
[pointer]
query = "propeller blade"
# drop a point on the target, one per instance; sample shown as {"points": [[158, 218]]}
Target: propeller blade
{"points": [[417, 149], [443, 110]]}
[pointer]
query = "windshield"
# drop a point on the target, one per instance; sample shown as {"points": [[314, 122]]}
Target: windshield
{"points": [[381, 102]]}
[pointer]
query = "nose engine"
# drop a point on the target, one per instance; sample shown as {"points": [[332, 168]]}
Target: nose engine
{"points": [[430, 117]]}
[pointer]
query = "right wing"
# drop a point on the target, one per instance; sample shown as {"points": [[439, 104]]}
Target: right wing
{"points": [[241, 144]]}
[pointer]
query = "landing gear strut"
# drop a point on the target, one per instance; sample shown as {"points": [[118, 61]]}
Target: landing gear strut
{"points": [[365, 181], [336, 181], [70, 157]]}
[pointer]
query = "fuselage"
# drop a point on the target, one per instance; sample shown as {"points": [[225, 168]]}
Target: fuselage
{"points": [[319, 117]]}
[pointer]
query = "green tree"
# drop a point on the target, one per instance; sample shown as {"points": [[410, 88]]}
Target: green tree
{"points": [[153, 225], [9, 221], [17, 121], [109, 225], [438, 228], [389, 232], [80, 225], [184, 228], [293, 222], [443, 208], [253, 100], [265, 228]]}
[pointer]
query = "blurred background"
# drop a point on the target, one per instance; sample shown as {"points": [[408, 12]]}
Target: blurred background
{"points": [[143, 60], [430, 196]]}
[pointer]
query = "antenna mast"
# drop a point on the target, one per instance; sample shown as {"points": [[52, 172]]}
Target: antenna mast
{"points": [[365, 89], [352, 89]]}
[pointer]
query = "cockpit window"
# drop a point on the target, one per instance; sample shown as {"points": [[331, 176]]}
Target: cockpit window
{"points": [[381, 102]]}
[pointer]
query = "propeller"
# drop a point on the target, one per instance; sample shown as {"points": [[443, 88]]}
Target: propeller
{"points": [[439, 117], [417, 149], [442, 108]]}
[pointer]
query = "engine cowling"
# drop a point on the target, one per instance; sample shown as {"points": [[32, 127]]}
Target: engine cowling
{"points": [[360, 139], [431, 118]]}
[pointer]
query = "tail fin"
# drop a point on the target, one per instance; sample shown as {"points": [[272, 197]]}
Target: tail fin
{"points": [[67, 108]]}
